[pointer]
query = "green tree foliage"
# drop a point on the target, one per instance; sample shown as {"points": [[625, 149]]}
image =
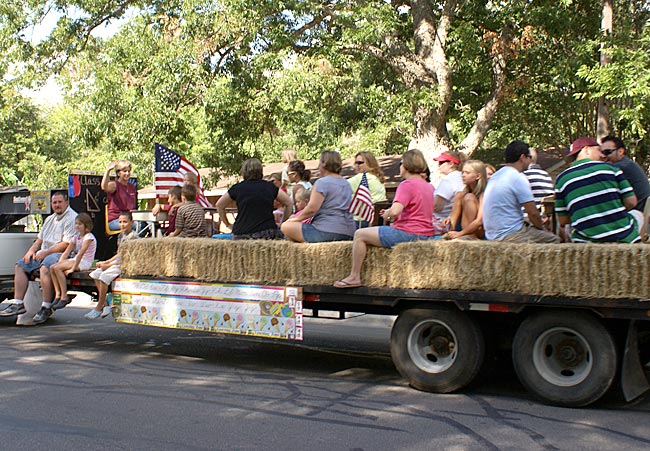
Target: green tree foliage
{"points": [[223, 80]]}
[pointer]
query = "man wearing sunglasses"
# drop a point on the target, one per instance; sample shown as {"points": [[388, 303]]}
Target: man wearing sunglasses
{"points": [[594, 197], [614, 150]]}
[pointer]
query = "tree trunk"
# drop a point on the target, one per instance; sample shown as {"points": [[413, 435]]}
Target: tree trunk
{"points": [[606, 26]]}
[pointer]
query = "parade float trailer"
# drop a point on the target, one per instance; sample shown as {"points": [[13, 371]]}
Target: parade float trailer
{"points": [[574, 316]]}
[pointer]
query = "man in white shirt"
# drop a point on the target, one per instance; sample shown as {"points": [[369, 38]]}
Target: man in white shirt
{"points": [[507, 192], [53, 239]]}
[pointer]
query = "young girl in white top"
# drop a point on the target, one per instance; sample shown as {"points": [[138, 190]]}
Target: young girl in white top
{"points": [[78, 256]]}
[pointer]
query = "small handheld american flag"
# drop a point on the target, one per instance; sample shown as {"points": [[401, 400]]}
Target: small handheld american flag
{"points": [[169, 172], [361, 204]]}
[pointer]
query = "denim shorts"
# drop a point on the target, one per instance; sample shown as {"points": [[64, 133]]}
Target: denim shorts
{"points": [[312, 235], [390, 236], [34, 264]]}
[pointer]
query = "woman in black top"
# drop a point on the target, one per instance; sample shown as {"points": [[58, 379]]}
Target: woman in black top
{"points": [[254, 199]]}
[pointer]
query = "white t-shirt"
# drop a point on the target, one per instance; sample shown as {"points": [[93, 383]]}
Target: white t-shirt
{"points": [[447, 188]]}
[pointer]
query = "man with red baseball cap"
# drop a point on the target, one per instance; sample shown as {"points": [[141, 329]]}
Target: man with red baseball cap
{"points": [[594, 197]]}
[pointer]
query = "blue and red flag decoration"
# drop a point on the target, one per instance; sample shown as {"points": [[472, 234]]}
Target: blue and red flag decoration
{"points": [[169, 172], [361, 204]]}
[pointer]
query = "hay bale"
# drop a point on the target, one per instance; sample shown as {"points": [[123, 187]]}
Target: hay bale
{"points": [[583, 270]]}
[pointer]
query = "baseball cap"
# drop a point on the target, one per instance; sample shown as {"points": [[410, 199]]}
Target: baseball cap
{"points": [[446, 157], [581, 143]]}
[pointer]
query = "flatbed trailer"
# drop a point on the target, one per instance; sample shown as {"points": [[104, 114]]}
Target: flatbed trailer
{"points": [[567, 351]]}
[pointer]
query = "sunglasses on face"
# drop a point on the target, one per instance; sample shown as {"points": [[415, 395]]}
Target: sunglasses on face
{"points": [[608, 151], [358, 163]]}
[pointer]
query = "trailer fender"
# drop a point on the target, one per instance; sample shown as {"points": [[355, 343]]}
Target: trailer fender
{"points": [[633, 379]]}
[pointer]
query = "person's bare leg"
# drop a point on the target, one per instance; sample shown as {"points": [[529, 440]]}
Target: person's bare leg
{"points": [[21, 282], [363, 238], [54, 272], [470, 209], [102, 290], [61, 268], [46, 284], [293, 231]]}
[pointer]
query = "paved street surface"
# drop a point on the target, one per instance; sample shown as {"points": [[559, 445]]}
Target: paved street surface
{"points": [[75, 384]]}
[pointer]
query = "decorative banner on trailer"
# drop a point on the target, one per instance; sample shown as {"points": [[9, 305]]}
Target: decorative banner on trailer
{"points": [[274, 312]]}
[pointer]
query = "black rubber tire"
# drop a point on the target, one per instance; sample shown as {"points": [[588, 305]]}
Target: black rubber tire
{"points": [[565, 358], [443, 362]]}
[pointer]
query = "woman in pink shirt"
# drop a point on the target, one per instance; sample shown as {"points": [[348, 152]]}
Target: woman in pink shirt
{"points": [[122, 195], [411, 216]]}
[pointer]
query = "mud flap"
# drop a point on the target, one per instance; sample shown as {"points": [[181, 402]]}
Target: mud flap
{"points": [[633, 380]]}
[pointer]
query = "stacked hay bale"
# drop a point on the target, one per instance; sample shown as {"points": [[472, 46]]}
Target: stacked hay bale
{"points": [[605, 271]]}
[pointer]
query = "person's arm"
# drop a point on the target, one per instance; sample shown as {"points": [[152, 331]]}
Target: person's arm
{"points": [[107, 185], [31, 252], [160, 207], [58, 247], [77, 259], [315, 201], [108, 263], [456, 211], [630, 202], [284, 200], [563, 220], [394, 211], [439, 204], [224, 202], [66, 253], [533, 214], [179, 224]]}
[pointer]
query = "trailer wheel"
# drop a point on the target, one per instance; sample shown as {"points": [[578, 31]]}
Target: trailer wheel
{"points": [[565, 359], [437, 349]]}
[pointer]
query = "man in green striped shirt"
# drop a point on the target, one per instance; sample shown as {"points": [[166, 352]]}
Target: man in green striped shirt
{"points": [[594, 197]]}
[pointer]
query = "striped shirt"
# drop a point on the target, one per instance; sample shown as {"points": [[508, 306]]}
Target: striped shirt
{"points": [[190, 220], [591, 193], [540, 183]]}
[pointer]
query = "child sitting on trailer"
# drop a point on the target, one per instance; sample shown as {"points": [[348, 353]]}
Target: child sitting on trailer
{"points": [[109, 270]]}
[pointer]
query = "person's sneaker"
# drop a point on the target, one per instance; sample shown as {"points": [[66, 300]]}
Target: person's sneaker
{"points": [[93, 314], [43, 315], [13, 310], [106, 311], [60, 303]]}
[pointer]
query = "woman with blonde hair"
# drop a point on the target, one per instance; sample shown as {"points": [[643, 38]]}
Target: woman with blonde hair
{"points": [[288, 155], [468, 204], [328, 204], [365, 162], [410, 215], [121, 195]]}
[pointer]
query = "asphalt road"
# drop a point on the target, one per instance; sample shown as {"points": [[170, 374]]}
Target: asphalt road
{"points": [[74, 384]]}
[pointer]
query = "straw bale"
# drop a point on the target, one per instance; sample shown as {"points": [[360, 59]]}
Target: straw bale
{"points": [[592, 270]]}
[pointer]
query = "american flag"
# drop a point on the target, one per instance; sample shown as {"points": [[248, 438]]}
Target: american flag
{"points": [[361, 204], [170, 169]]}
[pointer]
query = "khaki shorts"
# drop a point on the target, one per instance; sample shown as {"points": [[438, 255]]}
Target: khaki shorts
{"points": [[530, 234]]}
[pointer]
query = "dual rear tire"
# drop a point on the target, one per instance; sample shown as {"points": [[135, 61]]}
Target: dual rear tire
{"points": [[566, 358]]}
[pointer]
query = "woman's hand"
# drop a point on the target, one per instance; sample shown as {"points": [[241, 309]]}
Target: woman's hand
{"points": [[452, 234], [445, 222]]}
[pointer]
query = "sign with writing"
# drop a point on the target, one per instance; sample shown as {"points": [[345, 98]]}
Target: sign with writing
{"points": [[273, 312], [40, 202]]}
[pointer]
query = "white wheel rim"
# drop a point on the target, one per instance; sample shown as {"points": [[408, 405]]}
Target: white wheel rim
{"points": [[432, 346], [562, 357]]}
